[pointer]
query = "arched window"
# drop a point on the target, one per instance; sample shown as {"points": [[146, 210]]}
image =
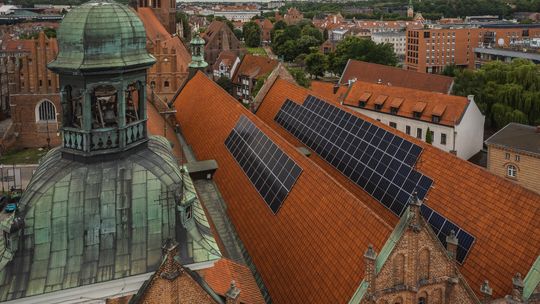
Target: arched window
{"points": [[511, 171], [45, 111], [423, 264]]}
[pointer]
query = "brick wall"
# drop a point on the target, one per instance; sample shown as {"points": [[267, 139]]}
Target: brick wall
{"points": [[528, 167], [29, 132]]}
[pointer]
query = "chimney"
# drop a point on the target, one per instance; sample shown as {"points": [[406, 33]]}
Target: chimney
{"points": [[233, 294], [369, 258], [486, 292]]}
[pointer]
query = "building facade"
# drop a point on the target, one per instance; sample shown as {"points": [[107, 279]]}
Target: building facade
{"points": [[513, 153], [293, 16], [396, 39], [219, 37], [251, 69], [165, 10], [226, 65]]}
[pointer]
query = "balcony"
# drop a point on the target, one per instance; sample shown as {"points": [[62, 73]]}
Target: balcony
{"points": [[104, 140]]}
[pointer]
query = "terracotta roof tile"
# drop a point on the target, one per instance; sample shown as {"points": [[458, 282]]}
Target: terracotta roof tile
{"points": [[502, 215], [428, 103], [155, 125], [321, 230], [326, 90], [224, 271], [254, 67], [373, 73]]}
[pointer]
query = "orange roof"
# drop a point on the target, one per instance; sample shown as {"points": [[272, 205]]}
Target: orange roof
{"points": [[227, 57], [373, 73], [224, 271], [155, 125], [502, 215], [254, 67], [427, 103], [326, 90], [20, 45], [311, 250]]}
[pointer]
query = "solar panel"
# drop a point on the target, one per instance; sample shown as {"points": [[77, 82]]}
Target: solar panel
{"points": [[442, 227], [269, 169], [373, 158], [376, 160]]}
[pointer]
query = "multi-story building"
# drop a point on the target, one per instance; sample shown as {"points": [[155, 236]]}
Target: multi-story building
{"points": [[219, 37], [250, 70], [430, 50], [225, 65], [293, 16], [514, 153], [396, 39], [456, 123], [483, 55], [242, 13], [164, 10]]}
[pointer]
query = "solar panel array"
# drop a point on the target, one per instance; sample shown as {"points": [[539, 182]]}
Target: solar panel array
{"points": [[442, 227], [269, 169], [377, 160]]}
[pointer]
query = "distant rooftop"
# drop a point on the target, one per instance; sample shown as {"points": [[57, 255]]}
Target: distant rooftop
{"points": [[509, 53], [517, 137]]}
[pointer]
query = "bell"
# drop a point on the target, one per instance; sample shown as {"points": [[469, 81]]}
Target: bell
{"points": [[109, 117]]}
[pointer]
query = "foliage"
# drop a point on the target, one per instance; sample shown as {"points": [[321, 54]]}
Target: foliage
{"points": [[183, 17], [316, 64], [259, 51], [361, 49], [429, 136], [238, 33], [225, 83], [450, 70], [49, 32], [23, 156], [294, 40], [252, 34], [300, 77], [504, 92], [258, 85]]}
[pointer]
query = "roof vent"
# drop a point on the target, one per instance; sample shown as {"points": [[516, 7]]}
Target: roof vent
{"points": [[379, 81]]}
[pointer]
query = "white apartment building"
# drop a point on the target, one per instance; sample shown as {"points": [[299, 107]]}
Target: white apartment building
{"points": [[456, 123], [397, 39]]}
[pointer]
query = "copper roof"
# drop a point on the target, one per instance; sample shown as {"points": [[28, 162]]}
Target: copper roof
{"points": [[373, 73]]}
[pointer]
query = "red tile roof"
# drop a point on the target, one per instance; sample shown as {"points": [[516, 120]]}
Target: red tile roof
{"points": [[326, 90], [156, 126], [450, 108], [227, 57], [371, 72], [502, 215], [311, 250], [254, 67], [224, 271]]}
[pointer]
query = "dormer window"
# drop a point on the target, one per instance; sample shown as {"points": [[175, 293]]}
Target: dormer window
{"points": [[378, 107], [418, 109], [437, 113], [379, 102], [394, 106], [364, 99], [394, 110], [435, 118], [362, 104]]}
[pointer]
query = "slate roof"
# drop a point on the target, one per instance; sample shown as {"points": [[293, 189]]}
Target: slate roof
{"points": [[311, 250], [517, 137], [95, 222], [372, 72], [449, 108], [500, 214]]}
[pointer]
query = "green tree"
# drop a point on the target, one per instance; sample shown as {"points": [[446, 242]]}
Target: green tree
{"points": [[316, 64], [238, 33], [310, 30], [300, 77], [252, 34], [429, 136], [361, 49], [225, 83]]}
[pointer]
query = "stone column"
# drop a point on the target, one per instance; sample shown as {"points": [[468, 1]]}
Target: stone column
{"points": [[121, 100]]}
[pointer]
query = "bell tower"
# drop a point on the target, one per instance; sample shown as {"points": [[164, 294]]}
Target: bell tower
{"points": [[410, 10], [102, 81], [165, 10], [197, 56]]}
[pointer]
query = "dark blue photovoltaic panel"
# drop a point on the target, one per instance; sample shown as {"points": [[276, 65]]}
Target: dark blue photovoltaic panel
{"points": [[376, 160], [269, 169], [373, 158], [442, 227]]}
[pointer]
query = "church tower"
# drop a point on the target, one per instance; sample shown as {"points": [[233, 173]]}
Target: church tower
{"points": [[165, 10], [410, 10], [197, 56]]}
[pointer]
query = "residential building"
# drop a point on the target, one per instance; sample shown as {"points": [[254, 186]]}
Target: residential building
{"points": [[293, 16], [456, 123], [324, 220], [484, 55], [219, 37], [514, 153], [392, 76], [430, 50], [251, 69], [328, 46], [170, 71], [225, 65], [338, 34], [396, 39], [242, 13]]}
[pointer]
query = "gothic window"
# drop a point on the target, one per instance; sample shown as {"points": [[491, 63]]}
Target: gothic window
{"points": [[45, 111], [423, 264], [399, 269]]}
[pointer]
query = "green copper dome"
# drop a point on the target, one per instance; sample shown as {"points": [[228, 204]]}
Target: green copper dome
{"points": [[101, 34]]}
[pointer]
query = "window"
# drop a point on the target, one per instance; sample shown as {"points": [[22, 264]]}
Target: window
{"points": [[421, 300], [166, 84], [408, 130], [45, 111], [362, 104], [507, 156], [378, 107], [417, 114], [443, 139], [419, 133], [511, 171], [435, 118], [189, 212], [517, 158], [393, 125]]}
